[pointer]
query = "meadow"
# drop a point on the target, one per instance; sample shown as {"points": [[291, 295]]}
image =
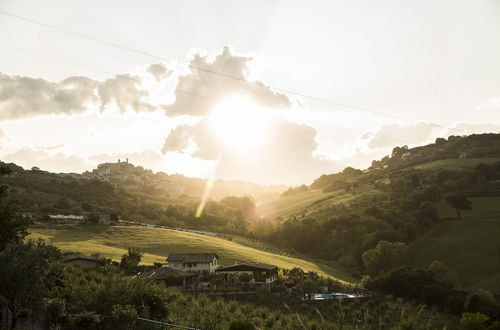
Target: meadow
{"points": [[156, 243], [468, 247]]}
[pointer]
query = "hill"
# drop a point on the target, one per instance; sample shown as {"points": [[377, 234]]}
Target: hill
{"points": [[402, 198], [467, 247], [113, 241]]}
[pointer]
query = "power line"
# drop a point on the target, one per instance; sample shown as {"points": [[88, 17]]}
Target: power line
{"points": [[140, 52], [209, 98], [121, 76]]}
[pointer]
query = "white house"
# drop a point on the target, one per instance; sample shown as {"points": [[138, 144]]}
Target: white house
{"points": [[196, 262]]}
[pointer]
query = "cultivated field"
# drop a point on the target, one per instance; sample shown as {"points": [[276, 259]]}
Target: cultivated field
{"points": [[112, 242], [470, 247]]}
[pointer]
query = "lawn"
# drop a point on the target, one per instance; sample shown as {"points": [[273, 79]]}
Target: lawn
{"points": [[469, 247], [156, 243]]}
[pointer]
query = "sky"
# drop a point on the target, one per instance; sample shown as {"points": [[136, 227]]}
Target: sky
{"points": [[263, 91]]}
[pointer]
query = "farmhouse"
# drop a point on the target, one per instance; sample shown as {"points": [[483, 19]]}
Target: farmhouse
{"points": [[196, 262], [257, 272], [170, 277], [82, 261]]}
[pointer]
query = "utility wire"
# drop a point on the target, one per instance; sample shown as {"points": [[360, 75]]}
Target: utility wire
{"points": [[140, 52], [121, 76], [208, 98], [127, 77]]}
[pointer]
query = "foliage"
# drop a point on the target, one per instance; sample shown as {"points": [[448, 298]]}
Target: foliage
{"points": [[459, 202], [131, 259], [26, 274], [421, 285], [383, 257], [13, 226], [474, 321]]}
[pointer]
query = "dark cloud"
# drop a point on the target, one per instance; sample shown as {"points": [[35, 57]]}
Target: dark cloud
{"points": [[231, 80], [159, 71]]}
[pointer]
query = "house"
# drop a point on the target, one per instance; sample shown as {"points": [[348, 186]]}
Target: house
{"points": [[100, 218], [59, 218], [82, 261], [194, 262], [258, 273], [170, 277]]}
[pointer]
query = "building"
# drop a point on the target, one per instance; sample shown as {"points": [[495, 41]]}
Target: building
{"points": [[193, 262], [170, 277], [59, 218], [82, 261], [258, 273]]}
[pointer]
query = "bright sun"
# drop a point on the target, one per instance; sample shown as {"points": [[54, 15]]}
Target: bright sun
{"points": [[239, 123]]}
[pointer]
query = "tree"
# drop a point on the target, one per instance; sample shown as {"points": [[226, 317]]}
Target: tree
{"points": [[131, 259], [459, 202], [383, 257], [13, 226], [25, 275]]}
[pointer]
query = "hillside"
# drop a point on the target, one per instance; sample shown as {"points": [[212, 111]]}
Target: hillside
{"points": [[113, 241], [468, 247], [402, 199]]}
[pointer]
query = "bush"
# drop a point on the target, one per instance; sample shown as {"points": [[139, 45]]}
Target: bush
{"points": [[84, 320], [473, 321]]}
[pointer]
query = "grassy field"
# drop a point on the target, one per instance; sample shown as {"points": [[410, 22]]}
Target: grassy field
{"points": [[470, 247], [156, 243], [303, 202], [454, 164], [287, 205]]}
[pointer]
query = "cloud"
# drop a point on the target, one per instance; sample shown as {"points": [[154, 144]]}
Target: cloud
{"points": [[46, 160], [397, 134], [287, 152], [491, 103], [471, 128], [178, 139], [196, 92], [147, 158], [159, 71], [124, 91], [22, 96]]}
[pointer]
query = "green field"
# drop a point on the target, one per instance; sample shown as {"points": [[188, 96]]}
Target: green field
{"points": [[156, 243], [455, 164], [470, 247]]}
